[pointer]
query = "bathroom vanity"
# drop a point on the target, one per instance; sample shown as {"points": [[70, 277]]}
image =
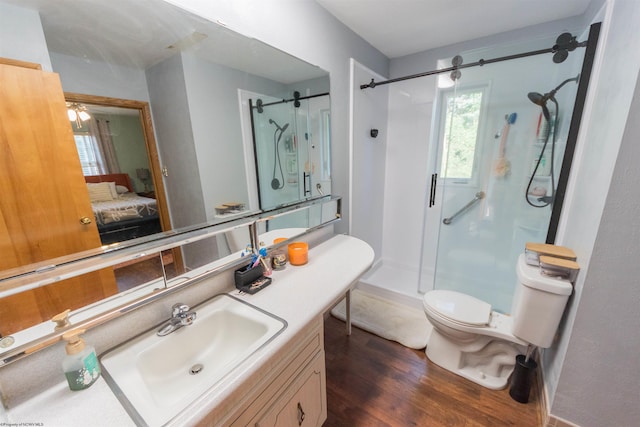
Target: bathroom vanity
{"points": [[290, 391], [282, 383]]}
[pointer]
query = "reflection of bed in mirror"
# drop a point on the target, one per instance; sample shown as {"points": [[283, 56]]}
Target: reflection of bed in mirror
{"points": [[120, 213]]}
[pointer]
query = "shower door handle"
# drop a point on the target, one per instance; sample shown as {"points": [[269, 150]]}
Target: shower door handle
{"points": [[432, 193], [307, 190]]}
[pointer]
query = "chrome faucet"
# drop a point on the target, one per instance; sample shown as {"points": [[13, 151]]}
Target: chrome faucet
{"points": [[181, 315]]}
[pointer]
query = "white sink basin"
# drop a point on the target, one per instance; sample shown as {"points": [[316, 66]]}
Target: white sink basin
{"points": [[157, 377]]}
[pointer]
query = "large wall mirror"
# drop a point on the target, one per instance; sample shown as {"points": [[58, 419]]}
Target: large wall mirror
{"points": [[194, 116]]}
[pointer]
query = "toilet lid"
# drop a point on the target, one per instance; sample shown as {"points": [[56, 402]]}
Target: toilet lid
{"points": [[459, 307]]}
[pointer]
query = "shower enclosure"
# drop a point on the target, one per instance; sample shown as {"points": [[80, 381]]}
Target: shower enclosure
{"points": [[500, 143], [291, 139]]}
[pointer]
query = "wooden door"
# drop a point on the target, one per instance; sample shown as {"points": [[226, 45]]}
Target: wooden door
{"points": [[43, 197]]}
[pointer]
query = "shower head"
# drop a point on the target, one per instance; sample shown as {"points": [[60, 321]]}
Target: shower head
{"points": [[537, 98], [541, 100], [281, 129]]}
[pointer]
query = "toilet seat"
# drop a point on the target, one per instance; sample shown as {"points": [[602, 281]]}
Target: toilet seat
{"points": [[464, 313], [458, 308]]}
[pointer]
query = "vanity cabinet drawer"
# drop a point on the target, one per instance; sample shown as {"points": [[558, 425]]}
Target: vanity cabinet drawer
{"points": [[304, 403]]}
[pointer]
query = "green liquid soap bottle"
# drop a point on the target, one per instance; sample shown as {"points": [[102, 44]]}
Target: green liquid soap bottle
{"points": [[80, 365]]}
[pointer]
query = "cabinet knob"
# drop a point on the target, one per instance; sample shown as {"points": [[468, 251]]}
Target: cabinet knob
{"points": [[85, 220]]}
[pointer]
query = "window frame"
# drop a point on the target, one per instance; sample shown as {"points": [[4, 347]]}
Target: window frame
{"points": [[444, 95], [88, 141]]}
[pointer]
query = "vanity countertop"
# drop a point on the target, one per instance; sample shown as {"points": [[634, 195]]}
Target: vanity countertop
{"points": [[298, 294]]}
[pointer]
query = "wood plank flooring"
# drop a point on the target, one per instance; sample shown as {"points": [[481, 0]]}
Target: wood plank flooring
{"points": [[140, 271], [375, 382]]}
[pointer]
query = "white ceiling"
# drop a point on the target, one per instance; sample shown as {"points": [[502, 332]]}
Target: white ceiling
{"points": [[402, 27]]}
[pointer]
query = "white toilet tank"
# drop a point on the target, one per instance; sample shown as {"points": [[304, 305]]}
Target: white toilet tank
{"points": [[538, 304]]}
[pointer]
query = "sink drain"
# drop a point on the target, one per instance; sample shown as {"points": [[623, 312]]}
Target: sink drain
{"points": [[196, 369]]}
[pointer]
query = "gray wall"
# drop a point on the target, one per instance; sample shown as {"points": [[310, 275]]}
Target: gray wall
{"points": [[22, 37], [600, 382], [128, 141], [581, 365], [172, 122], [212, 92]]}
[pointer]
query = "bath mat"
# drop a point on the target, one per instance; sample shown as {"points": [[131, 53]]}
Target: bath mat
{"points": [[387, 319]]}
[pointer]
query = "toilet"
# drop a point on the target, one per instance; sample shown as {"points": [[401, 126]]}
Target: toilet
{"points": [[474, 341]]}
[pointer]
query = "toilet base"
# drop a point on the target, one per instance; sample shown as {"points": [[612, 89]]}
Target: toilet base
{"points": [[486, 361]]}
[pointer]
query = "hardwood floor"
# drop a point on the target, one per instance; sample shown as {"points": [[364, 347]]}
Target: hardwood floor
{"points": [[375, 382], [139, 271]]}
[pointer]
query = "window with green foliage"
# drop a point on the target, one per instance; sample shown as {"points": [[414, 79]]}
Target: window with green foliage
{"points": [[461, 122]]}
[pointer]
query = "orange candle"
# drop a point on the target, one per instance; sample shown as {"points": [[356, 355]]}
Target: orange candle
{"points": [[298, 253]]}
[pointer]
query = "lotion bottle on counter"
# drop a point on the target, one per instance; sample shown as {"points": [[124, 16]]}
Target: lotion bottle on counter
{"points": [[80, 365]]}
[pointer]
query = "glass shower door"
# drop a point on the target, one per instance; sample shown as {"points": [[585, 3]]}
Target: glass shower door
{"points": [[497, 158], [314, 121], [292, 142], [276, 151]]}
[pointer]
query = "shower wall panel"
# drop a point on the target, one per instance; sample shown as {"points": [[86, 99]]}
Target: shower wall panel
{"points": [[368, 158]]}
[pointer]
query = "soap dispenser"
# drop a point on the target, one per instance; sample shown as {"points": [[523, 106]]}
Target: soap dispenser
{"points": [[80, 365]]}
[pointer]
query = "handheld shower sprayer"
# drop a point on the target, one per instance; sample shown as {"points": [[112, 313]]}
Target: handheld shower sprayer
{"points": [[281, 129], [541, 100], [275, 182]]}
